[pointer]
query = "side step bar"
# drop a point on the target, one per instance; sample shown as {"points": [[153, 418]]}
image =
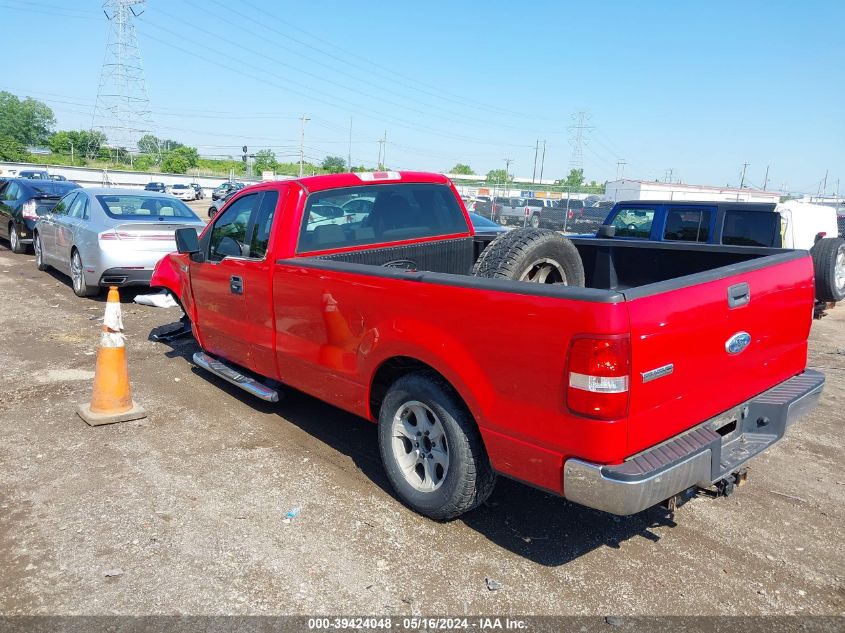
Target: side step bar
{"points": [[232, 375]]}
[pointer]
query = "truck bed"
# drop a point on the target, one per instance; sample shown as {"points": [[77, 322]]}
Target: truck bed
{"points": [[503, 344]]}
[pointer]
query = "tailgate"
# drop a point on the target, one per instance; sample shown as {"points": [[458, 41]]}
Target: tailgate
{"points": [[691, 327]]}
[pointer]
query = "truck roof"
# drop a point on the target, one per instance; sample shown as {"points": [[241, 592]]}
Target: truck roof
{"points": [[720, 204], [335, 181]]}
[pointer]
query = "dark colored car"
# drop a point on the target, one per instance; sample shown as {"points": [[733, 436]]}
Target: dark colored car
{"points": [[22, 200], [160, 187], [217, 203], [221, 191], [198, 189]]}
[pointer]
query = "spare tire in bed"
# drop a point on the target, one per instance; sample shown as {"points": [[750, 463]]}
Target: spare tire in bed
{"points": [[534, 255]]}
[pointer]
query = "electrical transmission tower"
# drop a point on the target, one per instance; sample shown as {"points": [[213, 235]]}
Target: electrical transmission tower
{"points": [[122, 110], [578, 132]]}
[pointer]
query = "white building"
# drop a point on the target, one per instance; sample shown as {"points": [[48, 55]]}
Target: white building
{"points": [[646, 190]]}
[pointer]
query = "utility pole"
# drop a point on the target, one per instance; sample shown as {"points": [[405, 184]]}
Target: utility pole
{"points": [[742, 180], [303, 120], [382, 149], [620, 169], [543, 162], [71, 152], [824, 187], [577, 138], [384, 152], [766, 179], [349, 155], [508, 162], [534, 173], [667, 176]]}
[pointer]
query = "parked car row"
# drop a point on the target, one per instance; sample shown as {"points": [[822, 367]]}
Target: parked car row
{"points": [[187, 192], [97, 236]]}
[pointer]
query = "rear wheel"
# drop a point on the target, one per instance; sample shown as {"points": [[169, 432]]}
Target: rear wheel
{"points": [[829, 264], [431, 448], [77, 276], [15, 240], [535, 255], [39, 253]]}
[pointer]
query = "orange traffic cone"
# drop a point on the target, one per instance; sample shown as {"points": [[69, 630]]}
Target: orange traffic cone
{"points": [[112, 398]]}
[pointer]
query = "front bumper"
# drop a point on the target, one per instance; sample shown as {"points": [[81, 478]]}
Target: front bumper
{"points": [[697, 457]]}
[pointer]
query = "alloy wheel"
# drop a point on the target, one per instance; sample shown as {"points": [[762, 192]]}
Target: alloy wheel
{"points": [[419, 446]]}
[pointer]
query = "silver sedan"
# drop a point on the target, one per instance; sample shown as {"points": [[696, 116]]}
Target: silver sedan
{"points": [[109, 237]]}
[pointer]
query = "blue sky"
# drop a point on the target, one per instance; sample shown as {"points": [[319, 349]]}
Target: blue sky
{"points": [[698, 87]]}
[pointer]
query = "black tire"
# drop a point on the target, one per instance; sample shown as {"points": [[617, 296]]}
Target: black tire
{"points": [[78, 283], [212, 212], [15, 240], [469, 479], [533, 255], [39, 253], [829, 264], [535, 221]]}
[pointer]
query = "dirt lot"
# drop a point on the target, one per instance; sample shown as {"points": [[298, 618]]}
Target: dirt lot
{"points": [[182, 512]]}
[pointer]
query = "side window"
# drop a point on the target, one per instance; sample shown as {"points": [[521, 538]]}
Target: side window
{"points": [[687, 225], [229, 233], [79, 207], [634, 223], [12, 193], [751, 228], [262, 225], [64, 204]]}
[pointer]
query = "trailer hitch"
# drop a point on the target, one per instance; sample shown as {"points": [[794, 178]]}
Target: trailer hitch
{"points": [[726, 486]]}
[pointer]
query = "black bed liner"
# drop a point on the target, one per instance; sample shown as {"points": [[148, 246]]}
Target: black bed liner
{"points": [[614, 269]]}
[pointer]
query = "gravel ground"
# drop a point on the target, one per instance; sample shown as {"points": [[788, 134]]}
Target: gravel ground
{"points": [[183, 512]]}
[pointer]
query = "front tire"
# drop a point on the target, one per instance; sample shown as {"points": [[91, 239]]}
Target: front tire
{"points": [[39, 253], [431, 448], [15, 243], [77, 277]]}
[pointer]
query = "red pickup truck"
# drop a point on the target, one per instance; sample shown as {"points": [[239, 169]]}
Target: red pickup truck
{"points": [[649, 370]]}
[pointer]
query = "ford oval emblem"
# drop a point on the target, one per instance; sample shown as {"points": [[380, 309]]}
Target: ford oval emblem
{"points": [[737, 343]]}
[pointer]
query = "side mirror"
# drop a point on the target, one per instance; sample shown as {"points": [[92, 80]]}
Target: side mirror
{"points": [[187, 241], [606, 230]]}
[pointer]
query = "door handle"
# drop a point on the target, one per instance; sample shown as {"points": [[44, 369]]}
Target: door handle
{"points": [[236, 285], [738, 295]]}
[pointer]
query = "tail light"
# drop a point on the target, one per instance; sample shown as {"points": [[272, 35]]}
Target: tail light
{"points": [[599, 376], [820, 236], [29, 210], [109, 235]]}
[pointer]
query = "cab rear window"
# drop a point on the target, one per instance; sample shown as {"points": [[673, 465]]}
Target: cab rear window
{"points": [[377, 214], [751, 228]]}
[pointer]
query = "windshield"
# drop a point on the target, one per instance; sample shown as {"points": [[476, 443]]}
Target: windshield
{"points": [[142, 207], [179, 187]]}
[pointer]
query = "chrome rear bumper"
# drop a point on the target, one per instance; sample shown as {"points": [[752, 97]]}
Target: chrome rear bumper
{"points": [[697, 457]]}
